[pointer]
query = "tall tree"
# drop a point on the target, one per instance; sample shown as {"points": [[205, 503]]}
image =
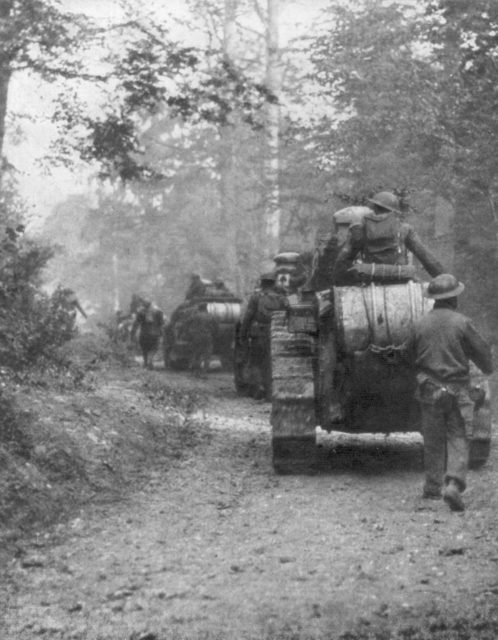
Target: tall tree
{"points": [[36, 35], [272, 128]]}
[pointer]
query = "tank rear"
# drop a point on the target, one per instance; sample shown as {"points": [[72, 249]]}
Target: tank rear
{"points": [[224, 307], [373, 385]]}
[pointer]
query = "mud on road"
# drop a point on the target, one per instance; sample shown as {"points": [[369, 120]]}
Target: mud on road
{"points": [[210, 543]]}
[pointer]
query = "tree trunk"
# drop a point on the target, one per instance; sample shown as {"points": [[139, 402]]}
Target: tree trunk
{"points": [[228, 199], [115, 282], [272, 168], [5, 68]]}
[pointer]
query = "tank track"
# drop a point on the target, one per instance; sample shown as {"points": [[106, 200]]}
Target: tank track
{"points": [[293, 418]]}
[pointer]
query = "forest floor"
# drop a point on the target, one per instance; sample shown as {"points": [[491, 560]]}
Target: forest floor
{"points": [[148, 509]]}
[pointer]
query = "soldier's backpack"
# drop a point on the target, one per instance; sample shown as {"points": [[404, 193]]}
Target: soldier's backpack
{"points": [[383, 243]]}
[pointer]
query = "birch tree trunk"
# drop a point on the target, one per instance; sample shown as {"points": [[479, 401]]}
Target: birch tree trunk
{"points": [[5, 69], [115, 283], [272, 164], [228, 189]]}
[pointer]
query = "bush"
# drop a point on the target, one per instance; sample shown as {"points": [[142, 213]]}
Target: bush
{"points": [[32, 324]]}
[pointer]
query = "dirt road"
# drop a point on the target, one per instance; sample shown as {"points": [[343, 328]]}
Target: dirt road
{"points": [[212, 544]]}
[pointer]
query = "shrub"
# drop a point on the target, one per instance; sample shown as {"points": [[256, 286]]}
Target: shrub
{"points": [[32, 323]]}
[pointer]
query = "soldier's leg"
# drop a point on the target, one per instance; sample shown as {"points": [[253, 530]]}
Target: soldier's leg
{"points": [[434, 434], [260, 369], [457, 444], [145, 347], [209, 351], [145, 354], [153, 344]]}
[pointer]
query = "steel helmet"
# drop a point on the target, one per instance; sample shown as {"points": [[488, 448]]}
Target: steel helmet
{"points": [[444, 286], [386, 200], [287, 257]]}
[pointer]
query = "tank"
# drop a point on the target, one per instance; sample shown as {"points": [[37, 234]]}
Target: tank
{"points": [[224, 307], [337, 364]]}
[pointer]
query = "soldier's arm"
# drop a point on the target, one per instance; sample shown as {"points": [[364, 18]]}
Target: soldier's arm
{"points": [[78, 306], [477, 349], [350, 249], [427, 259]]}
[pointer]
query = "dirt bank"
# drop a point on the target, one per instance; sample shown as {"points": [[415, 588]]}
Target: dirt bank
{"points": [[205, 541]]}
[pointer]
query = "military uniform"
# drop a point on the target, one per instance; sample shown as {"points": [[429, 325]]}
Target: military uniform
{"points": [[199, 331], [149, 320], [196, 288], [255, 331], [440, 347], [71, 305], [380, 238]]}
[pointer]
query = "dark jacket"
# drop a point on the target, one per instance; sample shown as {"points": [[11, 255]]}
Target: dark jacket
{"points": [[259, 310], [442, 343], [150, 321], [386, 244]]}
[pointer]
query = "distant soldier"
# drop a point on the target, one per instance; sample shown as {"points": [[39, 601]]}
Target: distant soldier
{"points": [[199, 330], [380, 238], [220, 288], [196, 287], [255, 332], [121, 326], [149, 321], [136, 303], [72, 304]]}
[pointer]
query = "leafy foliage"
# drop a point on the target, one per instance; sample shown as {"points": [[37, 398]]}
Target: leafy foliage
{"points": [[32, 324], [384, 130], [156, 76], [38, 35]]}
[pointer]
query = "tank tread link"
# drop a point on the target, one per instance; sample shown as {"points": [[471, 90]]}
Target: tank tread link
{"points": [[293, 397]]}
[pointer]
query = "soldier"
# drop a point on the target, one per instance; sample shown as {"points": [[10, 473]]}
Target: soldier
{"points": [[136, 303], [220, 288], [72, 304], [380, 238], [199, 331], [255, 332], [440, 346], [149, 320], [196, 287]]}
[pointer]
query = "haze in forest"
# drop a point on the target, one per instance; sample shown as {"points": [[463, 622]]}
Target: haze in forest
{"points": [[231, 131]]}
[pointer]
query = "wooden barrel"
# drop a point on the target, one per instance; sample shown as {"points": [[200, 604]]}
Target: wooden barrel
{"points": [[381, 315], [224, 311]]}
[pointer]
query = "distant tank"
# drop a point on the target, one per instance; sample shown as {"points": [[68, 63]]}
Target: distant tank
{"points": [[336, 363], [223, 306]]}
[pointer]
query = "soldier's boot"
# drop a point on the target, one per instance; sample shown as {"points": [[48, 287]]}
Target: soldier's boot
{"points": [[453, 497]]}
